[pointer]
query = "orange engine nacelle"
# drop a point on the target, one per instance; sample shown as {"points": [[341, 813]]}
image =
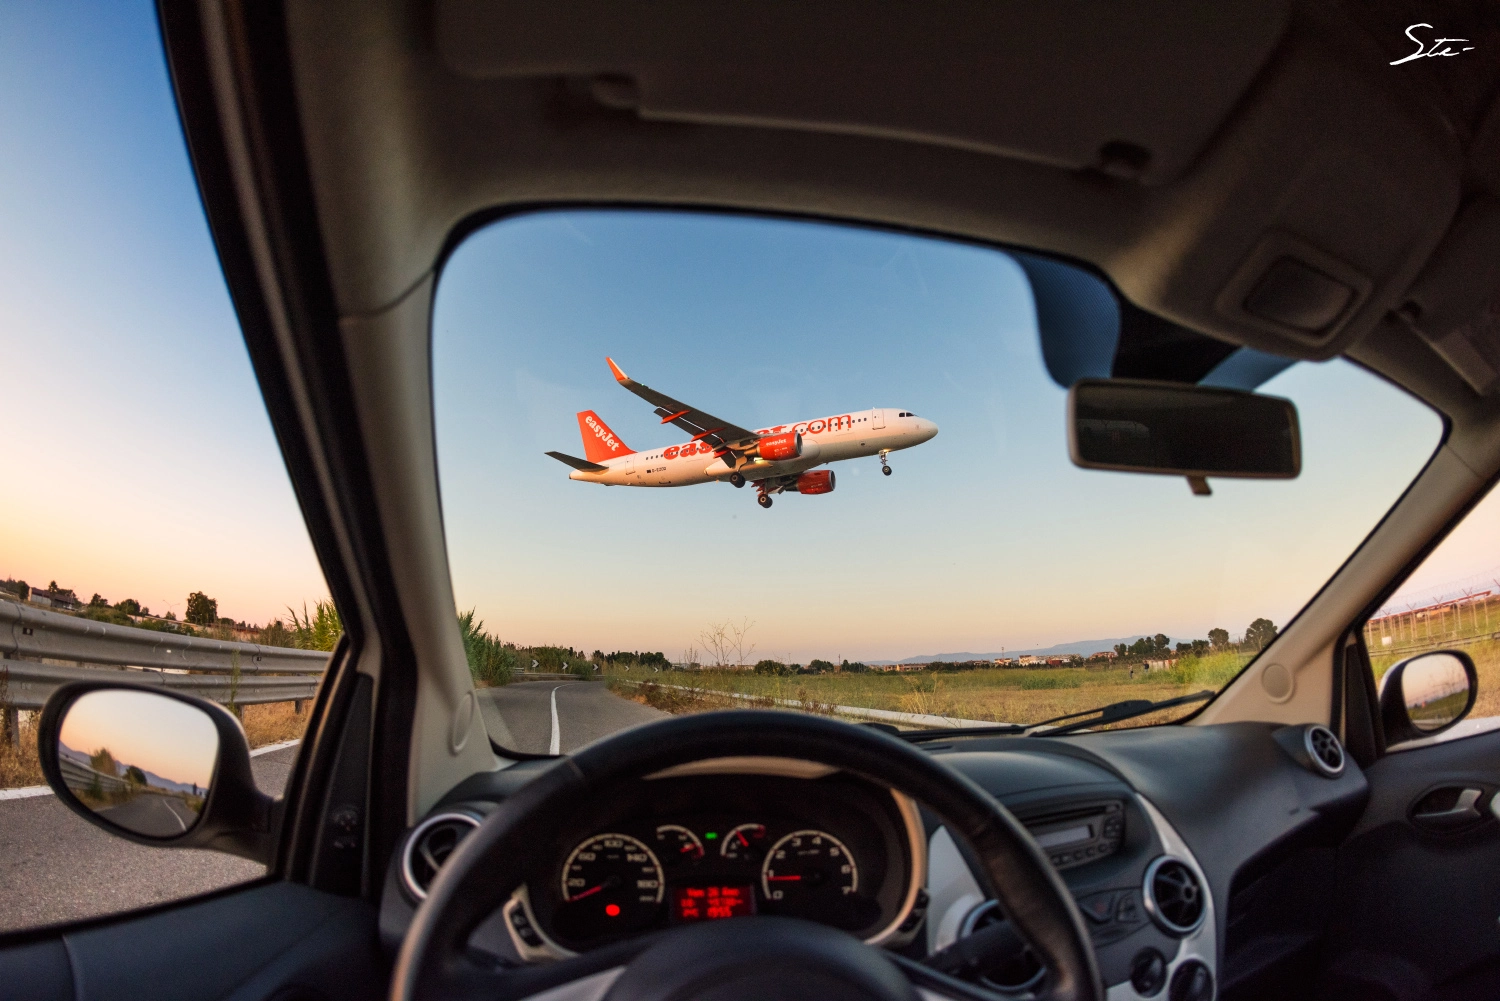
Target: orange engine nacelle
{"points": [[818, 482], [774, 448]]}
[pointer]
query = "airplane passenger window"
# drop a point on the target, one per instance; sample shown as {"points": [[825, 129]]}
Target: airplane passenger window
{"points": [[680, 458]]}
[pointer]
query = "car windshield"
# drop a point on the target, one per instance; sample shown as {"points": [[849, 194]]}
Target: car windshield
{"points": [[681, 457]]}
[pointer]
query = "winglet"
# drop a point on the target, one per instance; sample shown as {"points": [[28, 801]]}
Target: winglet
{"points": [[619, 375]]}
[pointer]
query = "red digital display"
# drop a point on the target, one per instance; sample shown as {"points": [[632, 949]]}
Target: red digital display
{"points": [[708, 903]]}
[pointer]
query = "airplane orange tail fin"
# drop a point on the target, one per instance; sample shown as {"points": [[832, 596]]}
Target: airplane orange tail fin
{"points": [[599, 442]]}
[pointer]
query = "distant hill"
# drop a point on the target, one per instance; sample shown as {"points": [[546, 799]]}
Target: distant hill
{"points": [[1081, 647]]}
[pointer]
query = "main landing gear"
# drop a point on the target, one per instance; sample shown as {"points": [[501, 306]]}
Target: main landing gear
{"points": [[884, 466], [764, 500], [736, 479]]}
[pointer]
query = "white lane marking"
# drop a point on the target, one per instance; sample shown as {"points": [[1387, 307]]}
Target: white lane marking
{"points": [[555, 746], [25, 793], [168, 807], [275, 747]]}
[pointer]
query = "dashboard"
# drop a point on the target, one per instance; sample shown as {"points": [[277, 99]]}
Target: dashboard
{"points": [[1160, 834]]}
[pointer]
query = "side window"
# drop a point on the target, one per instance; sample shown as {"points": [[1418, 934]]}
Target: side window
{"points": [[1451, 602], [144, 492]]}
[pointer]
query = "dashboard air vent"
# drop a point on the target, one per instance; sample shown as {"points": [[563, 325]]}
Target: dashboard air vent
{"points": [[1175, 897], [429, 847], [1325, 750], [1008, 965]]}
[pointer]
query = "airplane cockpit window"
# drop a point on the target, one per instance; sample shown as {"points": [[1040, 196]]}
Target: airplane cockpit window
{"points": [[673, 480]]}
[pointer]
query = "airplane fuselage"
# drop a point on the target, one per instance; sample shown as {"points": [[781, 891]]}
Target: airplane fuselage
{"points": [[824, 440]]}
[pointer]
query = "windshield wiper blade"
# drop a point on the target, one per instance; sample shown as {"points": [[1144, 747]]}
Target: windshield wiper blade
{"points": [[947, 733], [1114, 713]]}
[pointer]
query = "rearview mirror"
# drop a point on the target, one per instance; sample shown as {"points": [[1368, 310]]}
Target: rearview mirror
{"points": [[1140, 426], [155, 767], [1426, 694]]}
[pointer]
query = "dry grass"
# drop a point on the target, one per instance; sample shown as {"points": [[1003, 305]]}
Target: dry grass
{"points": [[18, 764], [274, 722], [999, 695]]}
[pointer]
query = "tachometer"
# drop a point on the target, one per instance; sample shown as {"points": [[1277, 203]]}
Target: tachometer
{"points": [[746, 841], [809, 865], [676, 844], [613, 877]]}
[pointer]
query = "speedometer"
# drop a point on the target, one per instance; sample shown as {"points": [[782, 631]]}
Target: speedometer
{"points": [[808, 867], [612, 880]]}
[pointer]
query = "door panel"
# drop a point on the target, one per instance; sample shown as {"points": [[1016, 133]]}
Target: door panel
{"points": [[1419, 896], [247, 945]]}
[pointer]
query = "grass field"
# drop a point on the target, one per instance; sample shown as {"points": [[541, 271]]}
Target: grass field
{"points": [[999, 695]]}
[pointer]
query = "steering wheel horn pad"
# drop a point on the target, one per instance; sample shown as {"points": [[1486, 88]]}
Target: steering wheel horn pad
{"points": [[733, 960]]}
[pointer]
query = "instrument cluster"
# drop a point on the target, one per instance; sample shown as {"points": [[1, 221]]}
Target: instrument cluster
{"points": [[830, 851]]}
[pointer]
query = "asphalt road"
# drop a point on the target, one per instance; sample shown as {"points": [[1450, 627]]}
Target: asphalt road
{"points": [[586, 711], [56, 867], [156, 816]]}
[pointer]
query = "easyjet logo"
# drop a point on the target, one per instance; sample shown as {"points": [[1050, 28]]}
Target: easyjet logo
{"points": [[843, 422], [603, 434]]}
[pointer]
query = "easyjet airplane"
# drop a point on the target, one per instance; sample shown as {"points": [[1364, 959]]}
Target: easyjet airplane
{"points": [[775, 459]]}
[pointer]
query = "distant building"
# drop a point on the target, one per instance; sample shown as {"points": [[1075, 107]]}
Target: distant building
{"points": [[1028, 660], [1103, 655], [64, 601], [1004, 661], [1160, 665], [1055, 661]]}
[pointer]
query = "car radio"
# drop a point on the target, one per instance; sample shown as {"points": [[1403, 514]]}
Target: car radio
{"points": [[1081, 834]]}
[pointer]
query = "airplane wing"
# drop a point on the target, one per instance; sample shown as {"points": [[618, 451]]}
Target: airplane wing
{"points": [[722, 435], [577, 463]]}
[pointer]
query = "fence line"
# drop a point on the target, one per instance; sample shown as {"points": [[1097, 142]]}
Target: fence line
{"points": [[225, 671]]}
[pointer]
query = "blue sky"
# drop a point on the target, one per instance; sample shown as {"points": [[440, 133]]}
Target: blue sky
{"points": [[143, 463], [985, 537], [139, 458]]}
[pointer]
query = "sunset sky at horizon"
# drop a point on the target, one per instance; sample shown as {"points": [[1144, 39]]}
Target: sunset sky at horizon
{"points": [[148, 469]]}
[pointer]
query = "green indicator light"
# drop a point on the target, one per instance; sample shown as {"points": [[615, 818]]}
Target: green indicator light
{"points": [[710, 835]]}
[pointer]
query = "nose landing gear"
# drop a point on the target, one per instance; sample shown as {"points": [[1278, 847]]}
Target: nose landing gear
{"points": [[884, 466], [736, 479]]}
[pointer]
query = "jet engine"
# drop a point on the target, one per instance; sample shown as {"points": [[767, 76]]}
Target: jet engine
{"points": [[779, 447], [819, 481]]}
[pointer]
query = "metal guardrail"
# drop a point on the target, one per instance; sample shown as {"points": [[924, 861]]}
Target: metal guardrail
{"points": [[221, 670]]}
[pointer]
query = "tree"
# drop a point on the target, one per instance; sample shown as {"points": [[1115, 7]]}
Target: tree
{"points": [[97, 601], [131, 607], [1260, 634], [771, 667], [820, 667], [103, 761], [134, 774], [201, 609], [1163, 643], [1218, 638]]}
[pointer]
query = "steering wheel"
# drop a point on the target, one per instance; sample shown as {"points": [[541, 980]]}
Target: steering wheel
{"points": [[743, 959]]}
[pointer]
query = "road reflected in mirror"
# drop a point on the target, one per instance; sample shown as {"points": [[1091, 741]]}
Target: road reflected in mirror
{"points": [[1436, 690], [140, 760]]}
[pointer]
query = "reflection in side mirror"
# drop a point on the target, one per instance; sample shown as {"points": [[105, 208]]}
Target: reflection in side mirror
{"points": [[1138, 426], [140, 760], [155, 767], [1426, 694]]}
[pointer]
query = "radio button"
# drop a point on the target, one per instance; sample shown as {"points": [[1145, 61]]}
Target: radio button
{"points": [[1098, 907]]}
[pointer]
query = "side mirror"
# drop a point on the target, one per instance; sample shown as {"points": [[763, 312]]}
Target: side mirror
{"points": [[1426, 694], [1140, 426], [155, 767]]}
